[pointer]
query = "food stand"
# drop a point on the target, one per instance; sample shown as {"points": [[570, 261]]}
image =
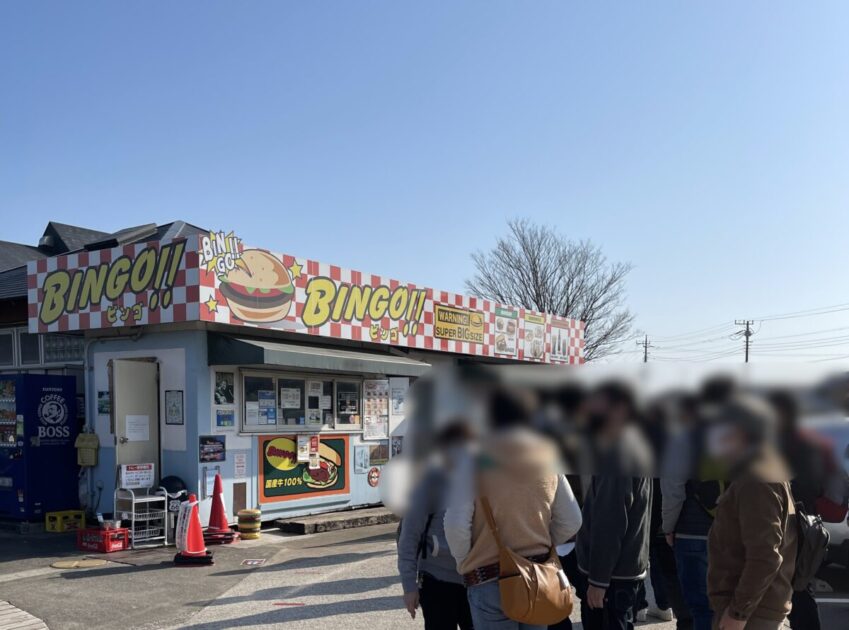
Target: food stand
{"points": [[284, 374]]}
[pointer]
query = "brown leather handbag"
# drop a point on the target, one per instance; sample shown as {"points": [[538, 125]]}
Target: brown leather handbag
{"points": [[531, 592]]}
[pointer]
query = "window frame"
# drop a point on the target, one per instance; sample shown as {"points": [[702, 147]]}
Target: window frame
{"points": [[283, 429]]}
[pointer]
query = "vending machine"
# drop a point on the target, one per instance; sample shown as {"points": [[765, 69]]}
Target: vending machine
{"points": [[38, 426]]}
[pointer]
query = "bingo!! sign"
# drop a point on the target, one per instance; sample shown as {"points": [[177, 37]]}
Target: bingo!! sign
{"points": [[218, 279]]}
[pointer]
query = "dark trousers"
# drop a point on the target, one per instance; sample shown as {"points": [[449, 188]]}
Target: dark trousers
{"points": [[663, 569], [570, 568], [620, 602], [692, 562], [805, 615], [444, 605]]}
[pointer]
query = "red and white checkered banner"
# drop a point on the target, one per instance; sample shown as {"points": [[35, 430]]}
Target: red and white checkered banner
{"points": [[217, 279], [131, 285], [255, 287]]}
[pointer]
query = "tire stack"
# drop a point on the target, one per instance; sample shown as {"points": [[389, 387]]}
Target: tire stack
{"points": [[250, 522]]}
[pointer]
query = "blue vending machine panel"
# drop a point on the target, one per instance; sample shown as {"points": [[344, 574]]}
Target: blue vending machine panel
{"points": [[38, 426]]}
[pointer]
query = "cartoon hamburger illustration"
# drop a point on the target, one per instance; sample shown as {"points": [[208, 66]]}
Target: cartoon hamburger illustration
{"points": [[327, 472], [259, 291]]}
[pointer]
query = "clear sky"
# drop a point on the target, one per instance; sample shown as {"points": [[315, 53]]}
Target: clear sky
{"points": [[707, 143]]}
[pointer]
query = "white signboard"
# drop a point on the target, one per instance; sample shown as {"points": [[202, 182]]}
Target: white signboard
{"points": [[137, 475]]}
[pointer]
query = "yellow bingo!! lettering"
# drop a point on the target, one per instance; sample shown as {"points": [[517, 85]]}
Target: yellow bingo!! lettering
{"points": [[69, 291], [328, 301]]}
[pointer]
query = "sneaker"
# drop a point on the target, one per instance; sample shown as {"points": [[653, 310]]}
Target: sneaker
{"points": [[664, 614], [642, 614]]}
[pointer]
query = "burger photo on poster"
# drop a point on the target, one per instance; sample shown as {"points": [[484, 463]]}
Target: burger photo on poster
{"points": [[261, 291]]}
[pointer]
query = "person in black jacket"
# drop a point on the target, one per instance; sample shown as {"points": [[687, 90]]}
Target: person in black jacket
{"points": [[613, 544]]}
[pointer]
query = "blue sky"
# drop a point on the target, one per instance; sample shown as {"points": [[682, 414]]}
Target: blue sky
{"points": [[707, 143]]}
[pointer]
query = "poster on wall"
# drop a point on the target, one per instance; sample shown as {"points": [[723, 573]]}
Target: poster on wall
{"points": [[397, 442], [104, 403], [361, 456], [240, 465], [224, 393], [378, 453], [375, 409], [534, 346], [398, 387], [283, 478], [174, 406], [225, 420], [212, 448], [506, 331]]}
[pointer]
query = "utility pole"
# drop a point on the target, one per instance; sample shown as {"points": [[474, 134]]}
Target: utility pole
{"points": [[746, 333], [646, 345]]}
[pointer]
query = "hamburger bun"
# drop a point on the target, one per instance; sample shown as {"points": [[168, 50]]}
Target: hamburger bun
{"points": [[262, 291]]}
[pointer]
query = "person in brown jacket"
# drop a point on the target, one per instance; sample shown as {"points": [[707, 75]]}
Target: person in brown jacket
{"points": [[752, 543]]}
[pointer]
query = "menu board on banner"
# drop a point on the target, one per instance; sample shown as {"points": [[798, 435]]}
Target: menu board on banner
{"points": [[561, 339], [375, 409], [506, 331], [534, 337], [136, 476]]}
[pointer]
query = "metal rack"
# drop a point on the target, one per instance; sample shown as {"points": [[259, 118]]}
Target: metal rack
{"points": [[146, 511]]}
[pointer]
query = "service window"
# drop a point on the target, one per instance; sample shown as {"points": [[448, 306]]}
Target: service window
{"points": [[260, 401], [291, 401], [348, 404]]}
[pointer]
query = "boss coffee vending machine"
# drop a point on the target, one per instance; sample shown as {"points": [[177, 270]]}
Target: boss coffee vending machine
{"points": [[38, 426]]}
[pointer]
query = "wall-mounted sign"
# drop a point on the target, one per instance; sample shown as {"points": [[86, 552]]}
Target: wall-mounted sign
{"points": [[217, 279], [124, 286], [283, 478]]}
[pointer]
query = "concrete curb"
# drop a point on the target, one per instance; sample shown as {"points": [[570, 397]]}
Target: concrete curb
{"points": [[333, 521]]}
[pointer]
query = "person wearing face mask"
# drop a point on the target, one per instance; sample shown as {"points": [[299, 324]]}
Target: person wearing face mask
{"points": [[753, 540], [613, 544], [428, 571]]}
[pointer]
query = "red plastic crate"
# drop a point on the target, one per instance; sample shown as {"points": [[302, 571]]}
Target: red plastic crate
{"points": [[103, 540]]}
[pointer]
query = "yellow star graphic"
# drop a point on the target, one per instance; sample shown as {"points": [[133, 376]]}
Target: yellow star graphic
{"points": [[296, 270], [212, 305]]}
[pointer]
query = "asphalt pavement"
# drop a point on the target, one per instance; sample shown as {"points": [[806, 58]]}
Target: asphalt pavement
{"points": [[345, 579]]}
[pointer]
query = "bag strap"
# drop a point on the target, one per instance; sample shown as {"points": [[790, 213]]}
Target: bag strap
{"points": [[490, 519]]}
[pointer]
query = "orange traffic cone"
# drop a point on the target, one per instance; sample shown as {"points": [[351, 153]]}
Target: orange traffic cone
{"points": [[193, 550], [219, 531]]}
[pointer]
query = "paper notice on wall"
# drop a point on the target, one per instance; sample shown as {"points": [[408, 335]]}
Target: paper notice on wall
{"points": [[397, 396], [325, 402], [137, 428], [315, 388], [240, 465]]}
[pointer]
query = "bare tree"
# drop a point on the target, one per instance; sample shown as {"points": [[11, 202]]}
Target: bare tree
{"points": [[537, 268]]}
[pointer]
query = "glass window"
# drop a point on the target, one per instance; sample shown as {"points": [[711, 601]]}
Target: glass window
{"points": [[291, 401], [62, 348], [30, 348], [260, 401], [347, 404], [319, 403], [7, 348]]}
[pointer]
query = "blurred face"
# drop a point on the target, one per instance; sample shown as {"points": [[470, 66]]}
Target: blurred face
{"points": [[726, 443]]}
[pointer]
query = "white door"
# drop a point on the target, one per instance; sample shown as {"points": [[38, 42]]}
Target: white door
{"points": [[135, 399]]}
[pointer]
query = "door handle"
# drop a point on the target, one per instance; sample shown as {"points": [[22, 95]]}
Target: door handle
{"points": [[123, 440]]}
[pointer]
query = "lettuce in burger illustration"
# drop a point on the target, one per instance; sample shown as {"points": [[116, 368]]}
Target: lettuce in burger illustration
{"points": [[327, 472], [260, 290]]}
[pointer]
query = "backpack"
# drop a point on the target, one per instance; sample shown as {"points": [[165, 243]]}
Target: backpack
{"points": [[812, 546]]}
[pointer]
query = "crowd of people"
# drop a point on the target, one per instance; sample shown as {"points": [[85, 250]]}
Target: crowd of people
{"points": [[708, 495]]}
